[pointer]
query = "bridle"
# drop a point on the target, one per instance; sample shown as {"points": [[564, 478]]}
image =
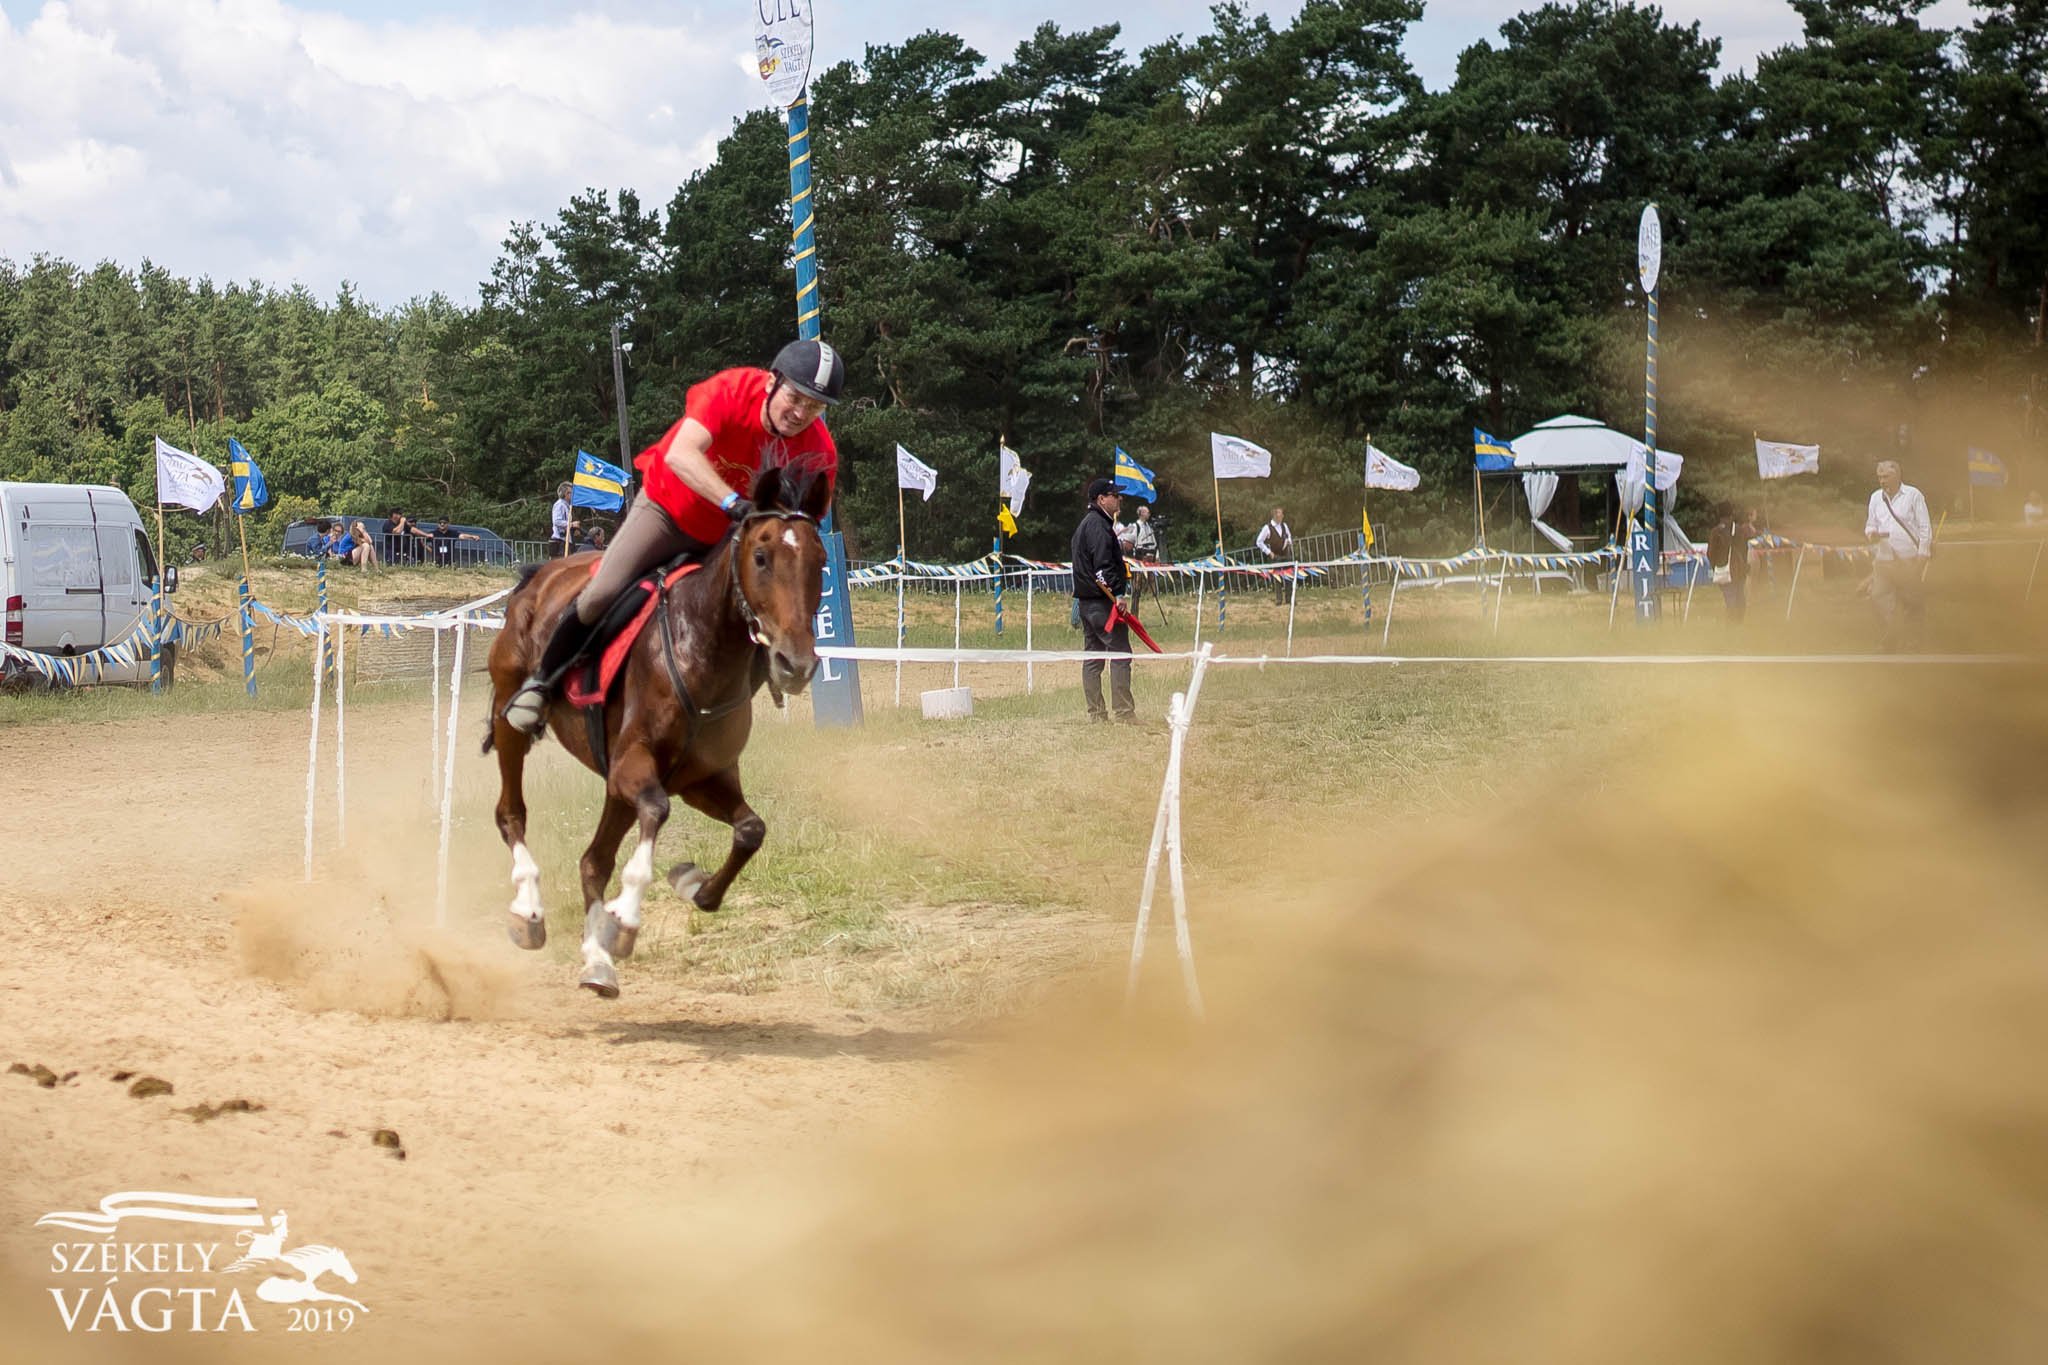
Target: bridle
{"points": [[695, 716], [748, 614]]}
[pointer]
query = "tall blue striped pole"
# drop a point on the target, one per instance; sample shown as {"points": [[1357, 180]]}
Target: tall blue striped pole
{"points": [[1645, 561], [156, 635], [326, 659], [1222, 590], [156, 609], [999, 582], [803, 217], [1365, 576], [248, 636], [835, 698]]}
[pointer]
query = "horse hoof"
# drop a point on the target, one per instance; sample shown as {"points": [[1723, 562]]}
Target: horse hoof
{"points": [[600, 980], [688, 881], [602, 927], [528, 933], [685, 878], [615, 938]]}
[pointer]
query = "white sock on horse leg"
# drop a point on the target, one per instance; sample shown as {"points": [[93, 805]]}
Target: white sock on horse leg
{"points": [[594, 954], [525, 884], [633, 883]]}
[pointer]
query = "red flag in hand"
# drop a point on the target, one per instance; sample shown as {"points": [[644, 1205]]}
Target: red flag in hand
{"points": [[1117, 613]]}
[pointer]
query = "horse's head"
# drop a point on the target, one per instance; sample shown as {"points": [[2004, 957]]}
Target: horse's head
{"points": [[779, 567]]}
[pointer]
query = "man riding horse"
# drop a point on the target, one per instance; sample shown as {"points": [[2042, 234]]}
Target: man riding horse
{"points": [[734, 424], [672, 707]]}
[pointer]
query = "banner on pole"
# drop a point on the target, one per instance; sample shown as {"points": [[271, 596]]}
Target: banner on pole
{"points": [[1012, 480], [1986, 469], [1384, 471], [598, 484], [915, 474], [782, 47], [185, 480], [1233, 457], [251, 492], [1782, 459], [1133, 480], [1490, 454]]}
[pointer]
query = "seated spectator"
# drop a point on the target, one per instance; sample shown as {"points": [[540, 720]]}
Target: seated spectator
{"points": [[445, 538], [364, 555]]}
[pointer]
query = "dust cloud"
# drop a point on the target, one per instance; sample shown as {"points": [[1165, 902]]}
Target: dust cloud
{"points": [[1726, 1052]]}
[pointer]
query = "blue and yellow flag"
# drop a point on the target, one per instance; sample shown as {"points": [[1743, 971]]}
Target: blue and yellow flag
{"points": [[1986, 469], [1490, 455], [598, 485], [1133, 479], [250, 492]]}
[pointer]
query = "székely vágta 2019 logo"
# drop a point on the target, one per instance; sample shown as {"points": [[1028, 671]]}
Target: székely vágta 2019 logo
{"points": [[115, 1283]]}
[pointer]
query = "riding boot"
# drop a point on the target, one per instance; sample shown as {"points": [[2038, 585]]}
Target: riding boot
{"points": [[527, 711]]}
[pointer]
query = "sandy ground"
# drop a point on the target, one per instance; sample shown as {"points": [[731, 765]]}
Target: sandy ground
{"points": [[153, 921]]}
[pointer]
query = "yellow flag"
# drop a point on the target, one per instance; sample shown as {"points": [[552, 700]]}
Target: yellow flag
{"points": [[1005, 520], [1366, 523]]}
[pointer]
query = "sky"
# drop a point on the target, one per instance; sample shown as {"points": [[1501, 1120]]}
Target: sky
{"points": [[392, 143]]}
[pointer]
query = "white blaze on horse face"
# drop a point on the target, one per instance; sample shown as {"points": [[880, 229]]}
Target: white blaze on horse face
{"points": [[633, 882], [789, 538], [525, 883]]}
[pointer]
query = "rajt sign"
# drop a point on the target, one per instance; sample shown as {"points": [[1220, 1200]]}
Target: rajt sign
{"points": [[782, 47], [1649, 248]]}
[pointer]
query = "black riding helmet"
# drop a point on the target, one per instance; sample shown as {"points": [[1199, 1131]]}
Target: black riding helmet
{"points": [[813, 369]]}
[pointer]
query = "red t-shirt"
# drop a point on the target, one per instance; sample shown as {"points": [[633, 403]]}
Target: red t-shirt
{"points": [[728, 405]]}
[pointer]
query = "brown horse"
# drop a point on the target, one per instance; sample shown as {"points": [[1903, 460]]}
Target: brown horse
{"points": [[678, 716]]}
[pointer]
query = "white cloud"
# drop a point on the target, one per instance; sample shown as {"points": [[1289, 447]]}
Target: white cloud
{"points": [[248, 137], [266, 138]]}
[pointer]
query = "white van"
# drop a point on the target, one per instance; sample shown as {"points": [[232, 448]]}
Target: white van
{"points": [[76, 574]]}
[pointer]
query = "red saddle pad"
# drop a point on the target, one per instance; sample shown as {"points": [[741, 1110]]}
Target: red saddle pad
{"points": [[613, 661]]}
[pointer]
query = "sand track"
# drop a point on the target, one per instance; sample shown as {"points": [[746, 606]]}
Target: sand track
{"points": [[152, 921]]}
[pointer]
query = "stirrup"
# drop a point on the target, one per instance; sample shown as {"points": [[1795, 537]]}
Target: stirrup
{"points": [[527, 712]]}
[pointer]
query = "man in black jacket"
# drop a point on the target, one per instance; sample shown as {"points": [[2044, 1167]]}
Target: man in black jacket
{"points": [[1101, 580]]}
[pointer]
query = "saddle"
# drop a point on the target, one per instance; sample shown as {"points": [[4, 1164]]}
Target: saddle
{"points": [[590, 683]]}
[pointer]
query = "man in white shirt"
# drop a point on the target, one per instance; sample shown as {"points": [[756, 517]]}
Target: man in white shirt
{"points": [[1901, 537], [1276, 543], [562, 523], [1139, 541], [1137, 537]]}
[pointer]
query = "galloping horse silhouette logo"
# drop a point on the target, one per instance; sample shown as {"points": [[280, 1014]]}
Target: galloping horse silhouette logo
{"points": [[311, 1262]]}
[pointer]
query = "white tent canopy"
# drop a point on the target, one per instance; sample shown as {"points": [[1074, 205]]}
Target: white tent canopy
{"points": [[1572, 442]]}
